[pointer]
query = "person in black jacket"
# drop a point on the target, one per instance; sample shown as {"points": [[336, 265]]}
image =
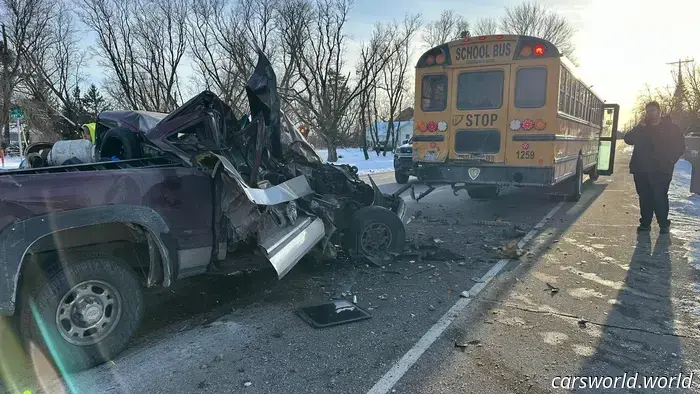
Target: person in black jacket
{"points": [[658, 144]]}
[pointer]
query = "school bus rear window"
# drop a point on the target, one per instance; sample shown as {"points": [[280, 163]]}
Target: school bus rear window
{"points": [[531, 87], [480, 90], [434, 93]]}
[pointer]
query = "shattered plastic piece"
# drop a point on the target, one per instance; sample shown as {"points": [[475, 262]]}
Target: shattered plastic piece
{"points": [[248, 384], [465, 294], [332, 313], [438, 241]]}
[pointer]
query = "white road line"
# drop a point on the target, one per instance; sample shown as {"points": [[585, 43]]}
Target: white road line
{"points": [[402, 366]]}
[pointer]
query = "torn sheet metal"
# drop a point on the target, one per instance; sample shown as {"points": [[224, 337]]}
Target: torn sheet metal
{"points": [[286, 246], [290, 190]]}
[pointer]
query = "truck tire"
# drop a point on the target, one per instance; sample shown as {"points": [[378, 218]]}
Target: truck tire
{"points": [[378, 231], [121, 143], [576, 185], [401, 177], [483, 192], [83, 313]]}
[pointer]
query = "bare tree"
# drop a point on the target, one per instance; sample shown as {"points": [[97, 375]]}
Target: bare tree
{"points": [[395, 76], [450, 26], [324, 94], [142, 43], [531, 18], [224, 48], [24, 30], [485, 27], [52, 72]]}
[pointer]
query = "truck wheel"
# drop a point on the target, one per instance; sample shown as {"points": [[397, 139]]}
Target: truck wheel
{"points": [[378, 231], [120, 142], [576, 186], [483, 192], [83, 313], [401, 177]]}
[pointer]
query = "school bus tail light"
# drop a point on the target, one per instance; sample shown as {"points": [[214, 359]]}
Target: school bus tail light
{"points": [[440, 58], [539, 50], [527, 124], [540, 124]]}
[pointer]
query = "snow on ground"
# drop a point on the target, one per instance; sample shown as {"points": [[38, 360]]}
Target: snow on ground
{"points": [[685, 213], [355, 157], [11, 162]]}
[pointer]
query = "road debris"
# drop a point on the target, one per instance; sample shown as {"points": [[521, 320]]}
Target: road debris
{"points": [[511, 250], [473, 342], [247, 384], [383, 297], [552, 289], [582, 323], [464, 294], [494, 223], [420, 271], [438, 241], [431, 308]]}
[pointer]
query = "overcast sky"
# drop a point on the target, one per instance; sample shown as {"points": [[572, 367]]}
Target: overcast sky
{"points": [[620, 44]]}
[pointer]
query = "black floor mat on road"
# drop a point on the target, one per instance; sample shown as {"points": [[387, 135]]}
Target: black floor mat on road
{"points": [[332, 314]]}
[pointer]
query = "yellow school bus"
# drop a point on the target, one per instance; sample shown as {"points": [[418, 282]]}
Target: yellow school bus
{"points": [[507, 110]]}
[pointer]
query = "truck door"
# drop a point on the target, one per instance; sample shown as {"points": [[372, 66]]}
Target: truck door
{"points": [[608, 138]]}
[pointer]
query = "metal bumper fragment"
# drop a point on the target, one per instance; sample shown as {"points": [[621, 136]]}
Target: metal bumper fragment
{"points": [[287, 246]]}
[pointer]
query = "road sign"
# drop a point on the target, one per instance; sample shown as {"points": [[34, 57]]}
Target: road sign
{"points": [[16, 113]]}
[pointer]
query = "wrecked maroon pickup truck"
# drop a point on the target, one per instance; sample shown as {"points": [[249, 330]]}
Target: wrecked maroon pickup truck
{"points": [[166, 197]]}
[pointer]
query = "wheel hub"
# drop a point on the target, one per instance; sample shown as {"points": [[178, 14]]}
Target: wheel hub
{"points": [[376, 238], [88, 312]]}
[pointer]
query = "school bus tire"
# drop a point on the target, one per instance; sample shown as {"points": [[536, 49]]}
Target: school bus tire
{"points": [[593, 173], [576, 183], [483, 192]]}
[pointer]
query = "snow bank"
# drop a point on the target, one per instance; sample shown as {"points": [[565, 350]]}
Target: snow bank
{"points": [[354, 156], [11, 162], [685, 212]]}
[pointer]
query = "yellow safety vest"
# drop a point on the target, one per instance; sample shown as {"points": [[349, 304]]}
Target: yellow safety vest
{"points": [[90, 127]]}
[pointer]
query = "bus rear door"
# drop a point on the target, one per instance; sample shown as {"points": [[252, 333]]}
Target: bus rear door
{"points": [[479, 113]]}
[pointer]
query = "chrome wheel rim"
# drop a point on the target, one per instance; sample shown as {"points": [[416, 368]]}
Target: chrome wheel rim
{"points": [[376, 238], [88, 312]]}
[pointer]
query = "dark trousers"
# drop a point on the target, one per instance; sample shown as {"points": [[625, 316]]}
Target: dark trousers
{"points": [[652, 189]]}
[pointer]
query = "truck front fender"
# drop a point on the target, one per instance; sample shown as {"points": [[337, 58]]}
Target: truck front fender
{"points": [[17, 238]]}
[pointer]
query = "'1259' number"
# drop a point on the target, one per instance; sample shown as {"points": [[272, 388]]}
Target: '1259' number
{"points": [[525, 154]]}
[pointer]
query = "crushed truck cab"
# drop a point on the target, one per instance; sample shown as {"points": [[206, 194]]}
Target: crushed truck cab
{"points": [[169, 196]]}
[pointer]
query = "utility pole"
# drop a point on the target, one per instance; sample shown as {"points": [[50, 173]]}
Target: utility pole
{"points": [[678, 94]]}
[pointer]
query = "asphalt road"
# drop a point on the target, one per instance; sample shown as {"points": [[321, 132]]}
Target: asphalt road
{"points": [[241, 334]]}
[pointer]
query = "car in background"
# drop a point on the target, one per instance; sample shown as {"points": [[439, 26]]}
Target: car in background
{"points": [[403, 162]]}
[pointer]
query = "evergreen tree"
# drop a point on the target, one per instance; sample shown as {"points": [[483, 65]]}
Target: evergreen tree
{"points": [[94, 103]]}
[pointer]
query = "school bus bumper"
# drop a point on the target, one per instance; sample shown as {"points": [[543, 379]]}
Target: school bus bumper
{"points": [[484, 174]]}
